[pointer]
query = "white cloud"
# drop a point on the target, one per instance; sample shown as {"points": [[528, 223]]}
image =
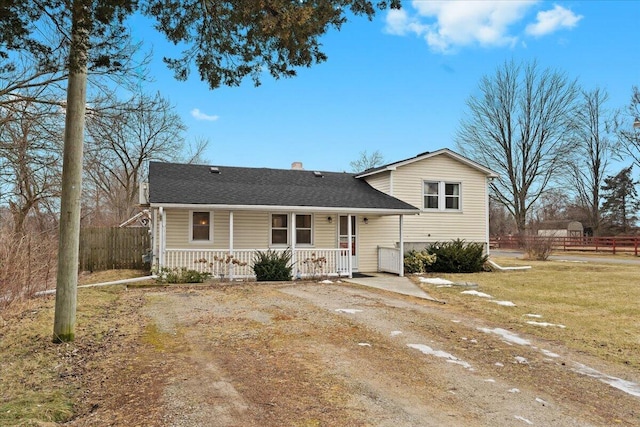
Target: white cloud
{"points": [[552, 20], [199, 115], [449, 25]]}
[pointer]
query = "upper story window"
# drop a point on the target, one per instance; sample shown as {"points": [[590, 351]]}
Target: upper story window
{"points": [[201, 227], [439, 195]]}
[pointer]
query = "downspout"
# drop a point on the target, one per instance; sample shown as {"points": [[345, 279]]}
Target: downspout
{"points": [[486, 204], [401, 260]]}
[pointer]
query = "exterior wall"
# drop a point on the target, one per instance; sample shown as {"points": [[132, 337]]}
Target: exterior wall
{"points": [[251, 230], [470, 223], [381, 181]]}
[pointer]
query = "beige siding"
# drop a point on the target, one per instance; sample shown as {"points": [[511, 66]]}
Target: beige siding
{"points": [[468, 224], [251, 230], [381, 181]]}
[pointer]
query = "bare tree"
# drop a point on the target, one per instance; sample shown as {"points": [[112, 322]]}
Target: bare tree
{"points": [[30, 155], [627, 122], [122, 139], [594, 150], [519, 126], [367, 161]]}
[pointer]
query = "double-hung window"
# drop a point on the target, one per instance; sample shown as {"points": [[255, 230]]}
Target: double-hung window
{"points": [[201, 227], [280, 229], [442, 196]]}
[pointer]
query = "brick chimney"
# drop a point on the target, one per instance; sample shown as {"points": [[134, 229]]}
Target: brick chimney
{"points": [[297, 166]]}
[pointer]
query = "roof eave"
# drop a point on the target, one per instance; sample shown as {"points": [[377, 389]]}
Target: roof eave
{"points": [[275, 208]]}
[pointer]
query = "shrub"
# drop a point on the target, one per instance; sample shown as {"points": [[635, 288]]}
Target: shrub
{"points": [[539, 248], [418, 261], [457, 256], [272, 266], [181, 275]]}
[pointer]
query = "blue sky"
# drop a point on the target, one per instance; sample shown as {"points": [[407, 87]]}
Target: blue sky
{"points": [[398, 84]]}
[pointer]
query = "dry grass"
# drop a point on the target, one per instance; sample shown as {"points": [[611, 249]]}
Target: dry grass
{"points": [[39, 380], [599, 304]]}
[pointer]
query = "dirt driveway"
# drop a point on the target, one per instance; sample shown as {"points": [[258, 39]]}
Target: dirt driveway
{"points": [[344, 355]]}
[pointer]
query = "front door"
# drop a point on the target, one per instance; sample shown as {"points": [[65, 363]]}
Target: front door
{"points": [[343, 238]]}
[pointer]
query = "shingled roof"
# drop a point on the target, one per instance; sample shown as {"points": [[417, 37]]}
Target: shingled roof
{"points": [[240, 187]]}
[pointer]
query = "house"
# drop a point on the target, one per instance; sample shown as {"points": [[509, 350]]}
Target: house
{"points": [[561, 228], [335, 223]]}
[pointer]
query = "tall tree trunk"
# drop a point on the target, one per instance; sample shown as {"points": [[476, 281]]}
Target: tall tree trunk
{"points": [[67, 278]]}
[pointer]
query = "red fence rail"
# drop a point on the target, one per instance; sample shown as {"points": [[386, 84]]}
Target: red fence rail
{"points": [[627, 244]]}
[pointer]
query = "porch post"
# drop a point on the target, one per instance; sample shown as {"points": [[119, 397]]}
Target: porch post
{"points": [[293, 244], [155, 249], [349, 248], [231, 265], [401, 261], [161, 242]]}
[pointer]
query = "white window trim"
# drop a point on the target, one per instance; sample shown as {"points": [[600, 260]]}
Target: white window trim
{"points": [[278, 245], [311, 229], [211, 222], [442, 197]]}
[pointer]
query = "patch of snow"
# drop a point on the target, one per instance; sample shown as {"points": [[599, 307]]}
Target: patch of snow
{"points": [[456, 321], [435, 281], [531, 322], [364, 344], [505, 303], [521, 360], [444, 286], [537, 316], [425, 349], [348, 310], [518, 417], [476, 293], [498, 364], [395, 333], [490, 380], [514, 390], [624, 385], [549, 353], [326, 281], [541, 401], [506, 335]]}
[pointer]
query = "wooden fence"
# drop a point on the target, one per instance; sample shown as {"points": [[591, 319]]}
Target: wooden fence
{"points": [[107, 248], [616, 244]]}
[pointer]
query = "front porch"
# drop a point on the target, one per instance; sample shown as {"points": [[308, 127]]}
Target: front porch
{"points": [[307, 263]]}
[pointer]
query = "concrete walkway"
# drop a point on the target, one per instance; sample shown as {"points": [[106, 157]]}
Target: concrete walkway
{"points": [[392, 283]]}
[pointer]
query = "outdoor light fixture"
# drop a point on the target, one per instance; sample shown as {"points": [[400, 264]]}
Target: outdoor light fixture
{"points": [[329, 219], [365, 220]]}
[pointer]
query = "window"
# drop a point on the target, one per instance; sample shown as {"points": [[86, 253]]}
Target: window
{"points": [[201, 229], [303, 229], [441, 195], [431, 195], [279, 229]]}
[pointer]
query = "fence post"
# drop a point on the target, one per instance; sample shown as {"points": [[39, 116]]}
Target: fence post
{"points": [[614, 245]]}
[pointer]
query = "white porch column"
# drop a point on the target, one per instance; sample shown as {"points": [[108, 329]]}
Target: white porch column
{"points": [[292, 239], [231, 265], [349, 247], [155, 250], [401, 261], [161, 242]]}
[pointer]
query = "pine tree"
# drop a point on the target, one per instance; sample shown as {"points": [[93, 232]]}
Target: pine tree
{"points": [[621, 203]]}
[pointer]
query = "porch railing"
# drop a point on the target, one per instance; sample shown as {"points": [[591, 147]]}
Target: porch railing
{"points": [[222, 264], [389, 260]]}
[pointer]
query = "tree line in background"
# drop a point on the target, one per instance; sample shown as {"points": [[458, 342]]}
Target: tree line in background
{"points": [[557, 148]]}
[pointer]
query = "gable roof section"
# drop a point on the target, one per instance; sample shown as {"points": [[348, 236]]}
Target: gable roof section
{"points": [[255, 188], [444, 151]]}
